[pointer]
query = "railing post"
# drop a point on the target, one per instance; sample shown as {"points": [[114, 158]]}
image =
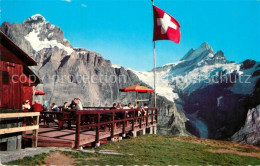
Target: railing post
{"points": [[124, 123], [61, 121], [35, 132], [70, 119], [156, 119], [77, 139], [147, 117], [133, 124], [112, 127], [140, 119], [97, 130], [152, 116]]}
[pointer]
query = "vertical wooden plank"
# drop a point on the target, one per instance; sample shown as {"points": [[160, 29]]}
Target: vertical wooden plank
{"points": [[152, 116], [35, 132], [20, 87], [98, 128], [133, 123], [140, 120], [113, 124], [146, 118], [77, 139], [156, 118], [124, 123]]}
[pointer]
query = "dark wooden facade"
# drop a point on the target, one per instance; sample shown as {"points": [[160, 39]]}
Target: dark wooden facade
{"points": [[16, 83]]}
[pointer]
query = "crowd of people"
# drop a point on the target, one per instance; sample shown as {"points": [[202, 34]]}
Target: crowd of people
{"points": [[38, 107], [130, 106], [75, 104]]}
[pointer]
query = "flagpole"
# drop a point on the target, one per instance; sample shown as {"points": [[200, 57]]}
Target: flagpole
{"points": [[154, 70], [154, 73]]}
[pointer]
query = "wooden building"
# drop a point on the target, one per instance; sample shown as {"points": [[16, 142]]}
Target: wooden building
{"points": [[16, 79]]}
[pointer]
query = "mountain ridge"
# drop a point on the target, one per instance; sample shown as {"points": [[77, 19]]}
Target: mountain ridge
{"points": [[84, 74], [183, 107]]}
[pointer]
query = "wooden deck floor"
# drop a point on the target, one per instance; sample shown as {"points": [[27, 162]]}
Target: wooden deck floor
{"points": [[54, 137]]}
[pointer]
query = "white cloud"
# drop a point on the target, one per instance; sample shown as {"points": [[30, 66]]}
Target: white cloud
{"points": [[66, 0], [83, 5]]}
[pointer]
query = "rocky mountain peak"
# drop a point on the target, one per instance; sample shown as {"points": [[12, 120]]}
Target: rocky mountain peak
{"points": [[35, 19], [198, 53], [41, 34], [205, 46]]}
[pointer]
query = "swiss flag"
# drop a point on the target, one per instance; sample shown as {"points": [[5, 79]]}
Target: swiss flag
{"points": [[165, 26]]}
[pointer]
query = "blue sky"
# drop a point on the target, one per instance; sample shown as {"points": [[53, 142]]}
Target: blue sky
{"points": [[121, 30]]}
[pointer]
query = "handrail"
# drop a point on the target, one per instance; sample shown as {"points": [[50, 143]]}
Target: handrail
{"points": [[34, 127], [18, 114], [84, 112], [112, 120]]}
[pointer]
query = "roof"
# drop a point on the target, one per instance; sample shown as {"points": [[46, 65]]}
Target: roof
{"points": [[30, 74], [7, 42]]}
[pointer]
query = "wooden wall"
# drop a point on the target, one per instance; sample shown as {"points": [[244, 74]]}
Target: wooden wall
{"points": [[10, 86]]}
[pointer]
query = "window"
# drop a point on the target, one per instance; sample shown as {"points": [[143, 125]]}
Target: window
{"points": [[5, 77]]}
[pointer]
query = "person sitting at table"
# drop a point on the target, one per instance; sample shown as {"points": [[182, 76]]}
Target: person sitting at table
{"points": [[119, 106], [126, 107], [130, 105], [136, 105], [73, 104], [145, 106], [113, 107], [119, 115], [55, 107], [65, 106], [79, 104], [26, 106], [46, 106], [130, 114], [37, 107]]}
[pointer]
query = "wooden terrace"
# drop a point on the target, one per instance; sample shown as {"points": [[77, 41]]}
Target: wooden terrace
{"points": [[92, 126]]}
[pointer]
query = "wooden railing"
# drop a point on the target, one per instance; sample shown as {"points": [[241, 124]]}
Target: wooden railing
{"points": [[111, 119], [34, 127], [50, 116]]}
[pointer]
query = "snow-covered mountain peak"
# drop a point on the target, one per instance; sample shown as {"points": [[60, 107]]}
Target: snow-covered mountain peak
{"points": [[41, 34], [194, 54], [35, 19]]}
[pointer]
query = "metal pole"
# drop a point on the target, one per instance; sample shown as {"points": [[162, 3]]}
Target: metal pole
{"points": [[154, 70]]}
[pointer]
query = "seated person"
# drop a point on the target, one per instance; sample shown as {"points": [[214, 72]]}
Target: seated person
{"points": [[126, 107], [130, 105], [145, 105], [55, 107], [65, 106], [113, 107], [79, 104], [37, 107], [119, 115], [119, 106], [26, 106], [73, 104]]}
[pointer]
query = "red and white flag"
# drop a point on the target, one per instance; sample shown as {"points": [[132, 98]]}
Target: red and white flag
{"points": [[165, 26]]}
